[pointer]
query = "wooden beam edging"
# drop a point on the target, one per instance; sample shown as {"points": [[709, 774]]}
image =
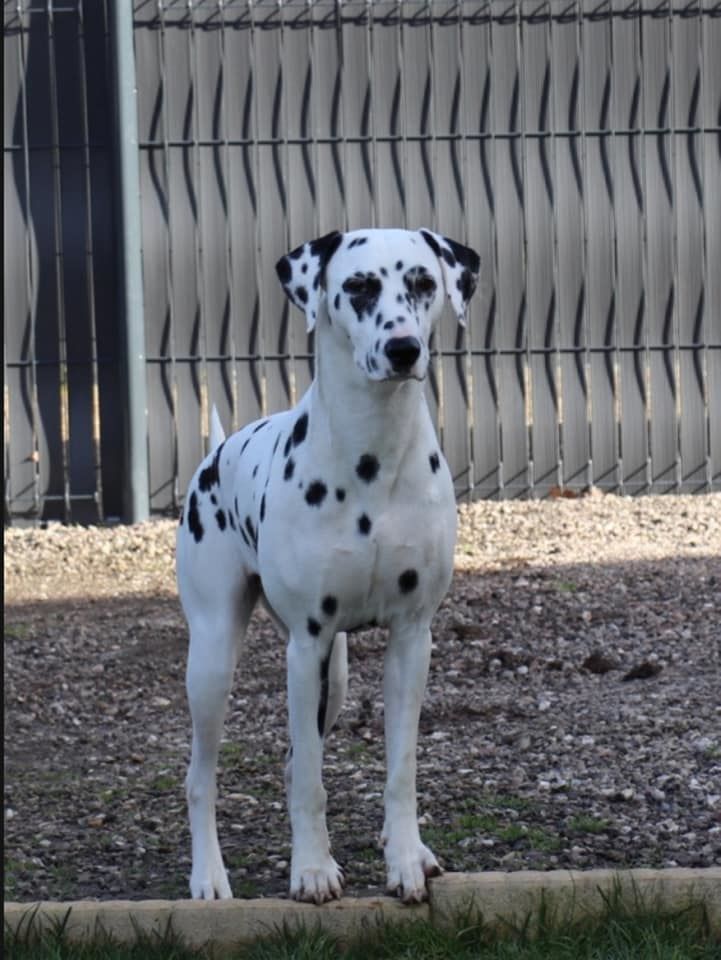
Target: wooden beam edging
{"points": [[504, 900]]}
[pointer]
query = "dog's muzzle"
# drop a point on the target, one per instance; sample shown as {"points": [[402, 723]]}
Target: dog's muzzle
{"points": [[402, 353]]}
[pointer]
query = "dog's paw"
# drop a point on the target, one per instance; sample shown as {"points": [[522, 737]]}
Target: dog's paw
{"points": [[210, 884], [317, 884], [407, 871]]}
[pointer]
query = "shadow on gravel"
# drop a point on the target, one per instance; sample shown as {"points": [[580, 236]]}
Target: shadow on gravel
{"points": [[571, 719]]}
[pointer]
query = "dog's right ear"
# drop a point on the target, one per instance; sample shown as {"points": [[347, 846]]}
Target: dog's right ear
{"points": [[302, 273]]}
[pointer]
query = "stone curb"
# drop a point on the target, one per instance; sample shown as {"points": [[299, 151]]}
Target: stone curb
{"points": [[503, 899]]}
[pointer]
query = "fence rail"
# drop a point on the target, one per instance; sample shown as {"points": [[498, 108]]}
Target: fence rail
{"points": [[576, 144]]}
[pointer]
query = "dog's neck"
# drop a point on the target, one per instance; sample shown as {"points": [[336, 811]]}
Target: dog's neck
{"points": [[381, 417]]}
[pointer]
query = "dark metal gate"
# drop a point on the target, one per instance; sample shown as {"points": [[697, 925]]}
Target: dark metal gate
{"points": [[575, 144]]}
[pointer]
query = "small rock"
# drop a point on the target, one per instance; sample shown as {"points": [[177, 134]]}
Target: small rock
{"points": [[643, 671], [599, 663]]}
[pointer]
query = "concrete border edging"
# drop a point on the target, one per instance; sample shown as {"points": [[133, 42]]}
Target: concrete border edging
{"points": [[502, 899]]}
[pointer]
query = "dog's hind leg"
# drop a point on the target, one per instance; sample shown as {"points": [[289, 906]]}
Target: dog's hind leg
{"points": [[215, 636]]}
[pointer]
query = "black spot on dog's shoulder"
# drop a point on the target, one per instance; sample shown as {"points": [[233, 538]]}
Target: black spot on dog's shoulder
{"points": [[194, 524], [315, 494], [313, 627], [383, 272], [408, 581], [262, 508], [288, 445], [301, 294], [329, 605], [435, 461], [300, 429], [220, 519], [367, 467], [289, 468], [210, 476], [255, 471], [245, 444], [259, 426], [364, 524], [340, 494], [399, 264]]}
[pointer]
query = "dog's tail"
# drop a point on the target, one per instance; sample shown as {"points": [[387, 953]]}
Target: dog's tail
{"points": [[337, 680], [217, 434]]}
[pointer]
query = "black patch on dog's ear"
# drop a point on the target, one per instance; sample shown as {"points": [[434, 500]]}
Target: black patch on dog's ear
{"points": [[464, 255]]}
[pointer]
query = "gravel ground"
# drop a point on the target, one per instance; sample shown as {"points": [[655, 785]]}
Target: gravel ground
{"points": [[572, 718]]}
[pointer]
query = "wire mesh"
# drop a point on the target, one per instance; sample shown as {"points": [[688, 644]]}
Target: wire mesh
{"points": [[576, 144]]}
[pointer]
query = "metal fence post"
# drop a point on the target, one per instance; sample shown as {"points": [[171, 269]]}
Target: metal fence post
{"points": [[136, 506]]}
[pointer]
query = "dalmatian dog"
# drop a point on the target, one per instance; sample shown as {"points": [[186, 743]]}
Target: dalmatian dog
{"points": [[337, 514]]}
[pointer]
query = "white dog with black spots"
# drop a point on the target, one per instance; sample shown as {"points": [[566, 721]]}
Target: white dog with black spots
{"points": [[338, 514]]}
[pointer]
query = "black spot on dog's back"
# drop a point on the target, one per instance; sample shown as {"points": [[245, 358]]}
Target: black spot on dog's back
{"points": [[300, 429], [194, 524]]}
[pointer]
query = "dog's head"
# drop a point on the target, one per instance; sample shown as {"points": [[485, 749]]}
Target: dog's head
{"points": [[385, 289]]}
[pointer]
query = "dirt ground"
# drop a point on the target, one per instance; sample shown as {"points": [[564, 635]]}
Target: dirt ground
{"points": [[572, 718]]}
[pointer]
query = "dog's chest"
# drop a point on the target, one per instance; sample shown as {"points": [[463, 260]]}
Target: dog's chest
{"points": [[375, 536]]}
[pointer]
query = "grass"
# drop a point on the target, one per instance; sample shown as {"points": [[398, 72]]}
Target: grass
{"points": [[637, 933]]}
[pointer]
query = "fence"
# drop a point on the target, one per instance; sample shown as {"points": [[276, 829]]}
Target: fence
{"points": [[575, 144]]}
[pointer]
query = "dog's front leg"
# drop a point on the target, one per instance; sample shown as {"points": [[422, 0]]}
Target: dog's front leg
{"points": [[408, 860], [314, 874]]}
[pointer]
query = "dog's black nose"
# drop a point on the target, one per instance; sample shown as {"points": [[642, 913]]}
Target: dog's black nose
{"points": [[402, 352]]}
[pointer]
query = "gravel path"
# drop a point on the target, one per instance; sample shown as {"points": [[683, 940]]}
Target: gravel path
{"points": [[573, 712]]}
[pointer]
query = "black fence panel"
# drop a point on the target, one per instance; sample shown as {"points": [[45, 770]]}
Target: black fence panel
{"points": [[575, 144]]}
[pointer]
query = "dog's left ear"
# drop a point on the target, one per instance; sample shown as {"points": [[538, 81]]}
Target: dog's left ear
{"points": [[460, 266], [302, 273]]}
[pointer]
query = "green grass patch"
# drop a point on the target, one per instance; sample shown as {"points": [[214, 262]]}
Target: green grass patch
{"points": [[621, 933], [588, 825]]}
